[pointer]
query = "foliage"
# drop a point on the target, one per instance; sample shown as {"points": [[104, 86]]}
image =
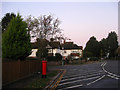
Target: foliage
{"points": [[112, 44], [58, 56], [92, 47], [6, 20], [105, 48], [52, 58], [87, 54], [44, 27], [16, 40], [42, 50], [93, 58]]}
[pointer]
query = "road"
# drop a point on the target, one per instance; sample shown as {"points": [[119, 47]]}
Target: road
{"points": [[98, 75]]}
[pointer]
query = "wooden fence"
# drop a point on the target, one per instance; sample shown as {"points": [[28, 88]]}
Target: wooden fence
{"points": [[15, 70]]}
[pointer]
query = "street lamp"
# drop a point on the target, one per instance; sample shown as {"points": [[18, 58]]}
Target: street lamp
{"points": [[62, 56]]}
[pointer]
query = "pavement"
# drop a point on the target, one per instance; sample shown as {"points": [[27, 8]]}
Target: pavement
{"points": [[103, 74]]}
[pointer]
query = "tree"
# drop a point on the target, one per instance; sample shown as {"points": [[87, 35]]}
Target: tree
{"points": [[112, 43], [6, 20], [16, 40], [87, 54], [42, 50], [103, 47], [92, 47], [44, 27]]}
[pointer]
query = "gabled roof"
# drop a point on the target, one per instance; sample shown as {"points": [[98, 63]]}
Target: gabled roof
{"points": [[70, 45], [54, 44], [35, 45]]}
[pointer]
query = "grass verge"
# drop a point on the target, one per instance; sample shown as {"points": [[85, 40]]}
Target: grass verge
{"points": [[42, 82]]}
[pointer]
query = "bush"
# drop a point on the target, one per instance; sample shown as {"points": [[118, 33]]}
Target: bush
{"points": [[58, 56], [52, 58], [87, 54], [93, 58], [32, 58]]}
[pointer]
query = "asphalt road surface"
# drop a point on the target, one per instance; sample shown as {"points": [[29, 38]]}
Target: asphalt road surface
{"points": [[98, 75]]}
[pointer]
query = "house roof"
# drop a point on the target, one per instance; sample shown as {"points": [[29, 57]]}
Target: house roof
{"points": [[54, 44], [70, 45], [34, 45]]}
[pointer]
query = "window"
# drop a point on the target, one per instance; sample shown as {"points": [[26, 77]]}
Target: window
{"points": [[65, 52], [49, 50]]}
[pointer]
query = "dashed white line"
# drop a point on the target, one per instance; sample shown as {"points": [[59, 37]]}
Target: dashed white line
{"points": [[81, 74], [80, 77], [73, 86], [102, 64], [96, 80], [79, 80]]}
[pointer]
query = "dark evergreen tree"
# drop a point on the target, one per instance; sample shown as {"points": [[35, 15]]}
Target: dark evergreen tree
{"points": [[16, 40], [112, 44], [103, 47], [6, 20], [92, 47]]}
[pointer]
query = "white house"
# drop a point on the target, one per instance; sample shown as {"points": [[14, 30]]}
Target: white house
{"points": [[53, 48], [67, 49], [34, 50], [70, 49]]}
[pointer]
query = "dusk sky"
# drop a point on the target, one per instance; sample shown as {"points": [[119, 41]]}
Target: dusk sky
{"points": [[79, 20]]}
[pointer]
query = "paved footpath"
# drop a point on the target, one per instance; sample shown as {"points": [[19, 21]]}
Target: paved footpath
{"points": [[98, 75]]}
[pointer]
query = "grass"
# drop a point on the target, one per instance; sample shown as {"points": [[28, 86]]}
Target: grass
{"points": [[42, 82], [53, 73]]}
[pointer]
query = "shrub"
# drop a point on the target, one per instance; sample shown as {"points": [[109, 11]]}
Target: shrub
{"points": [[52, 58], [58, 56]]}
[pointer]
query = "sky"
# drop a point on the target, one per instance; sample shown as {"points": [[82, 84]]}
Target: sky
{"points": [[79, 20]]}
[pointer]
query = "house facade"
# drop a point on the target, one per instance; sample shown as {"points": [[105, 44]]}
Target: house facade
{"points": [[33, 53], [67, 49]]}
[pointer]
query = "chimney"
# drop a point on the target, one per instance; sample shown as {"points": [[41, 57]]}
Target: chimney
{"points": [[64, 41]]}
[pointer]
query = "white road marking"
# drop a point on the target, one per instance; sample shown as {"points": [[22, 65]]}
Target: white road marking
{"points": [[66, 76], [102, 64], [80, 77], [73, 86], [79, 80], [113, 77], [110, 72], [96, 80]]}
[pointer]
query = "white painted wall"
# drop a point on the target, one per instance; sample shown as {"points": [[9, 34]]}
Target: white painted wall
{"points": [[33, 54], [54, 51], [65, 52], [68, 52]]}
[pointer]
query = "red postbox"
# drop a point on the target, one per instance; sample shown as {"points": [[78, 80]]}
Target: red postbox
{"points": [[44, 69]]}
